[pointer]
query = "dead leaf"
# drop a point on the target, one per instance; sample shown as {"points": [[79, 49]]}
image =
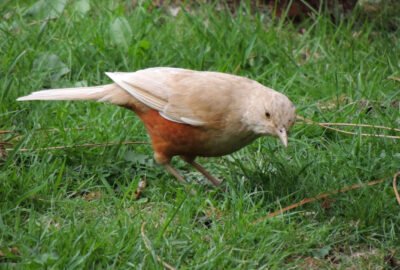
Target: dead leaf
{"points": [[311, 263], [364, 254], [6, 252], [395, 104], [213, 212], [93, 195], [394, 78], [7, 16], [141, 186], [370, 7], [15, 251], [334, 102], [306, 55], [356, 34]]}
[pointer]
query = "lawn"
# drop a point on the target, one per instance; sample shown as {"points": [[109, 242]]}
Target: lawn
{"points": [[76, 207]]}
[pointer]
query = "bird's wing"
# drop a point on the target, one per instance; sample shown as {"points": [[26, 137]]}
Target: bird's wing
{"points": [[184, 96]]}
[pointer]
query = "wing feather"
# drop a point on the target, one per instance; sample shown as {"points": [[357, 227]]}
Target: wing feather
{"points": [[184, 96]]}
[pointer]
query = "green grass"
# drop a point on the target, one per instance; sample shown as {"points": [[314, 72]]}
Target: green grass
{"points": [[46, 219]]}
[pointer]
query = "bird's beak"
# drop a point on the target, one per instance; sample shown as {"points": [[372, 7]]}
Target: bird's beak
{"points": [[282, 136]]}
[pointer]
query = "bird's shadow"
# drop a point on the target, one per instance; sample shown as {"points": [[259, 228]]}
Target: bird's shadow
{"points": [[269, 179]]}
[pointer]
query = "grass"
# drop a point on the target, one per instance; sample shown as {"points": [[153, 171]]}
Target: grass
{"points": [[75, 208]]}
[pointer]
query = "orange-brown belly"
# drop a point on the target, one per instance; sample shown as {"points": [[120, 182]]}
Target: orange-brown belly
{"points": [[170, 138]]}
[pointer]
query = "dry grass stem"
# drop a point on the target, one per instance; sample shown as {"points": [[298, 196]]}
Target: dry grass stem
{"points": [[6, 132], [57, 129], [329, 126], [41, 130], [362, 134], [396, 191], [359, 125], [78, 145], [328, 194], [5, 143], [148, 246], [394, 78]]}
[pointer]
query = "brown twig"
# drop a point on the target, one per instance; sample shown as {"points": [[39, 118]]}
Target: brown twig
{"points": [[78, 145], [148, 246], [396, 192], [319, 197], [362, 134], [41, 130], [6, 132], [58, 129], [359, 125], [5, 143], [328, 126]]}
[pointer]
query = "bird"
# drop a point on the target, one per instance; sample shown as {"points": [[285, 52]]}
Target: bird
{"points": [[191, 113]]}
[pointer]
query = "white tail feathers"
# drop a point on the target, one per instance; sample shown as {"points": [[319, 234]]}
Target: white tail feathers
{"points": [[81, 93], [103, 93]]}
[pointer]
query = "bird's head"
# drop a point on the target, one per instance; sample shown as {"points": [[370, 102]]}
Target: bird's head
{"points": [[270, 113]]}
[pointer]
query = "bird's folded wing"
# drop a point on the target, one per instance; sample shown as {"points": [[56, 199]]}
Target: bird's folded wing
{"points": [[179, 95], [150, 91]]}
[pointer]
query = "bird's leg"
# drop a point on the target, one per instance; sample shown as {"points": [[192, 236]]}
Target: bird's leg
{"points": [[202, 170], [179, 177], [165, 161], [174, 172]]}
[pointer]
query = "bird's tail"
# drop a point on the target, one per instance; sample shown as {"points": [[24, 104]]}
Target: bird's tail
{"points": [[110, 93]]}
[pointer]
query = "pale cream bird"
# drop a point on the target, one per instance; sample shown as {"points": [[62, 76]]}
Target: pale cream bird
{"points": [[191, 113]]}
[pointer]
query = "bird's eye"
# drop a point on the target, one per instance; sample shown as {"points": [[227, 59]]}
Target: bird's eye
{"points": [[268, 115]]}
